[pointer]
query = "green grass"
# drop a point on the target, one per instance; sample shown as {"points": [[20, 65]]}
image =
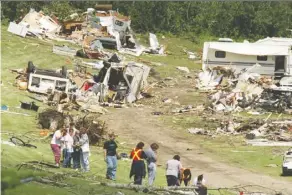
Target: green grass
{"points": [[229, 149], [16, 52]]}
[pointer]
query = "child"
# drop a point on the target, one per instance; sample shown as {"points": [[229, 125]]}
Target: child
{"points": [[186, 176], [68, 147], [84, 154]]}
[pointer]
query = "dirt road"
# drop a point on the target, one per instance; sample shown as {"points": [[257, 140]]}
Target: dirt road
{"points": [[138, 124]]}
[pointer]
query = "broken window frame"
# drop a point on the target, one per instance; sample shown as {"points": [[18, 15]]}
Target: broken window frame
{"points": [[45, 77]]}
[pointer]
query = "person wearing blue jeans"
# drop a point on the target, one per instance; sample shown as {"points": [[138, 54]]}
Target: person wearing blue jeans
{"points": [[110, 157], [151, 159], [111, 162], [84, 153]]}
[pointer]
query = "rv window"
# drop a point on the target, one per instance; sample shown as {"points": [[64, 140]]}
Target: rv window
{"points": [[220, 54], [262, 58]]}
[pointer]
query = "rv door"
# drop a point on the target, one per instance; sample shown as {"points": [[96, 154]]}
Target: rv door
{"points": [[280, 64]]}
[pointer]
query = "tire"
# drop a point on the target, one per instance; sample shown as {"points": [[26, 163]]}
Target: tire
{"points": [[284, 173], [64, 71], [30, 67], [17, 141]]}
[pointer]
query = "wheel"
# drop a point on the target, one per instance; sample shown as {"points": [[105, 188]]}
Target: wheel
{"points": [[17, 141], [30, 67], [284, 171], [30, 146]]}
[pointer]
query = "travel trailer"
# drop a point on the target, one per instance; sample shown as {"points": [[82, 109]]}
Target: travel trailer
{"points": [[267, 57]]}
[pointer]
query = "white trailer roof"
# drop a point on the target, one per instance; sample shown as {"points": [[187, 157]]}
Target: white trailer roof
{"points": [[250, 48], [275, 41]]}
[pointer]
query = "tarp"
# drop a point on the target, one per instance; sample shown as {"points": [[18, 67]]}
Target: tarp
{"points": [[250, 48]]}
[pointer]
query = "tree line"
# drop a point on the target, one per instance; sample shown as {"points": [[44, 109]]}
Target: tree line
{"points": [[250, 20]]}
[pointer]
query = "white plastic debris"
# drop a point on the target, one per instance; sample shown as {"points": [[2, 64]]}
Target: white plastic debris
{"points": [[184, 69]]}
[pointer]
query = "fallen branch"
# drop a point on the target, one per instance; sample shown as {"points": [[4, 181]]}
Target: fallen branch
{"points": [[171, 190], [44, 181]]}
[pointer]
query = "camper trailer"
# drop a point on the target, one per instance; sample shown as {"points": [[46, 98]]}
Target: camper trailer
{"points": [[264, 57]]}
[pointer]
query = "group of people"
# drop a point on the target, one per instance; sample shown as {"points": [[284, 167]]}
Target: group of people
{"points": [[175, 173], [75, 145]]}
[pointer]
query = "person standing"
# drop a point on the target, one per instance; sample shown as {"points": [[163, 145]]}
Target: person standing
{"points": [[151, 159], [76, 150], [56, 145], [68, 143], [173, 169], [84, 153], [110, 157], [138, 169]]}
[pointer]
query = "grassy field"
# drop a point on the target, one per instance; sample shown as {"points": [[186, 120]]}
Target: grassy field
{"points": [[17, 51], [231, 149]]}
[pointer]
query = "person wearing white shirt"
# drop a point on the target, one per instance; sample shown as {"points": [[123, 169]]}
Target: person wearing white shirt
{"points": [[84, 154], [56, 145], [68, 147], [173, 169], [200, 183]]}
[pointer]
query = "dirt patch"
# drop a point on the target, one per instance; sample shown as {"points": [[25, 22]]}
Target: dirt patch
{"points": [[139, 124]]}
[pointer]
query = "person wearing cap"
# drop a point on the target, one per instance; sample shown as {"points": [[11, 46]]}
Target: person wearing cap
{"points": [[138, 169], [200, 183], [173, 169], [151, 154], [110, 157]]}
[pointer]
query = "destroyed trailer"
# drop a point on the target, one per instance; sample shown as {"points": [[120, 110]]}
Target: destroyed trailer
{"points": [[287, 163], [118, 82], [48, 81]]}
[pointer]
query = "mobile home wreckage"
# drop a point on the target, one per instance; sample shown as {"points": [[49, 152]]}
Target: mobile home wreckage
{"points": [[94, 30], [247, 75], [117, 82], [272, 56]]}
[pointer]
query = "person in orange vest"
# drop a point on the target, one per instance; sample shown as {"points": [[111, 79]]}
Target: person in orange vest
{"points": [[186, 176], [138, 169]]}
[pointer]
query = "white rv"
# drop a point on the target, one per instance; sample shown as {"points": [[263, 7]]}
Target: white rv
{"points": [[270, 57]]}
